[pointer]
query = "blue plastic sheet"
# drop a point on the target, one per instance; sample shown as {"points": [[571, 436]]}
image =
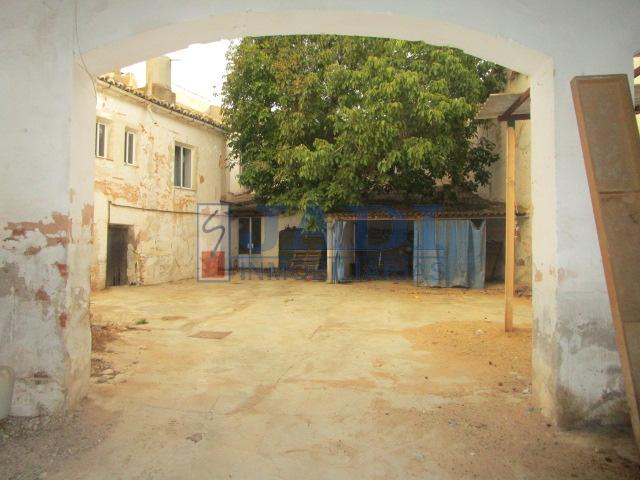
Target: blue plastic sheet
{"points": [[449, 253], [338, 251]]}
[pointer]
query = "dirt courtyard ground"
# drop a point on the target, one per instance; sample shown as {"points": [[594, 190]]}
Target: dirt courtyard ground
{"points": [[373, 380]]}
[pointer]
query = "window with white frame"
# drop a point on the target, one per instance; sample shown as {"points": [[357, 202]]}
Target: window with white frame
{"points": [[101, 139], [182, 167], [129, 147]]}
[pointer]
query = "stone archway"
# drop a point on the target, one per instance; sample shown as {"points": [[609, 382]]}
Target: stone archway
{"points": [[53, 53]]}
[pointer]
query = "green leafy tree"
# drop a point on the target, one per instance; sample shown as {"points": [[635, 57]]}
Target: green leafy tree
{"points": [[332, 121]]}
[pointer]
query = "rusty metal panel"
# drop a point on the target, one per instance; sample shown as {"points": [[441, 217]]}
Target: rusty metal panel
{"points": [[611, 148]]}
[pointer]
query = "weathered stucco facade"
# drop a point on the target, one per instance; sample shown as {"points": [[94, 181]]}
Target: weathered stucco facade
{"points": [[142, 196], [53, 50]]}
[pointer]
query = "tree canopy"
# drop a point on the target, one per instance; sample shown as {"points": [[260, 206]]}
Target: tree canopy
{"points": [[331, 121]]}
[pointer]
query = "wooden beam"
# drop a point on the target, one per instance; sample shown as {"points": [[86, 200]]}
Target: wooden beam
{"points": [[510, 228], [514, 106], [611, 150], [636, 72], [518, 116]]}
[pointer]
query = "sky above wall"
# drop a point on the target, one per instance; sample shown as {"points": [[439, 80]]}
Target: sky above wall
{"points": [[199, 69]]}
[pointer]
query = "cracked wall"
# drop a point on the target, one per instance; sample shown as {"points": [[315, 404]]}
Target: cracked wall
{"points": [[46, 206], [162, 244]]}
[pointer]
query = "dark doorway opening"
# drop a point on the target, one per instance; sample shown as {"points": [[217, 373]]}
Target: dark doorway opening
{"points": [[117, 246], [250, 237], [383, 249], [495, 250]]}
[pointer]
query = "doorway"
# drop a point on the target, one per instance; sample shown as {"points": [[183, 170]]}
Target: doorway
{"points": [[249, 240], [383, 249], [117, 247]]}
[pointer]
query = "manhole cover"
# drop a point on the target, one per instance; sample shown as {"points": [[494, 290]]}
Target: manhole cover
{"points": [[210, 334]]}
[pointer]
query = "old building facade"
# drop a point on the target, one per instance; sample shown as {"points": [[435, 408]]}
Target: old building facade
{"points": [[155, 160]]}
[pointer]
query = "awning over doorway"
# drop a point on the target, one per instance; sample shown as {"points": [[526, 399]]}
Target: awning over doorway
{"points": [[506, 106], [500, 106]]}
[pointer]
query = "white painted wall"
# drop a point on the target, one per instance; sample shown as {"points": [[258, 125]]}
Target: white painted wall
{"points": [[576, 366], [44, 189], [234, 184]]}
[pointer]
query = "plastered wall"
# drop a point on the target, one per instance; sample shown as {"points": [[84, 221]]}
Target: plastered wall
{"points": [[143, 196]]}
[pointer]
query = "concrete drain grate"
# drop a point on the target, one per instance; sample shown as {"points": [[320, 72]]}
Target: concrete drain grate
{"points": [[210, 335]]}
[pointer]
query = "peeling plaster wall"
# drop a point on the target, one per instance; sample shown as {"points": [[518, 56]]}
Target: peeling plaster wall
{"points": [[45, 210], [143, 197], [495, 190]]}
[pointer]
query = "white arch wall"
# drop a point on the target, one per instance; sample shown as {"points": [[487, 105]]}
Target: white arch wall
{"points": [[48, 125]]}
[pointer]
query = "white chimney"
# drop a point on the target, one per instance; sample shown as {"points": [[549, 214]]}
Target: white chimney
{"points": [[159, 79]]}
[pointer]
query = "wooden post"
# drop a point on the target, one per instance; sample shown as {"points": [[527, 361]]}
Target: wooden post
{"points": [[510, 228], [330, 251]]}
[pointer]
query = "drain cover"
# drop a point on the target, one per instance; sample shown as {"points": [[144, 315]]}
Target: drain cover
{"points": [[210, 334]]}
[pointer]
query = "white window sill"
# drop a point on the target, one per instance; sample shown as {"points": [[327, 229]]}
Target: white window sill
{"points": [[186, 189]]}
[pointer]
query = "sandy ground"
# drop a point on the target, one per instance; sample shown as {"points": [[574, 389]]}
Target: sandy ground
{"points": [[315, 381]]}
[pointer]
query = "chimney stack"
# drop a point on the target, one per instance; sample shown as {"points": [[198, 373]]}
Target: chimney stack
{"points": [[159, 79]]}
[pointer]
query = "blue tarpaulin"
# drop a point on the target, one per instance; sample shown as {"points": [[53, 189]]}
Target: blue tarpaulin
{"points": [[338, 251], [449, 253]]}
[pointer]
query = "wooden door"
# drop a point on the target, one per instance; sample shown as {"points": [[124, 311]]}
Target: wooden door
{"points": [[611, 148], [117, 241]]}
